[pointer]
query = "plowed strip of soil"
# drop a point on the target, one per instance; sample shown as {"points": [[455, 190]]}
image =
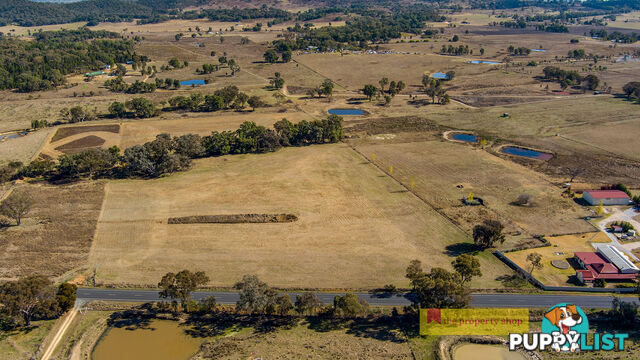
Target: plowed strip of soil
{"points": [[70, 131], [234, 219], [79, 145]]}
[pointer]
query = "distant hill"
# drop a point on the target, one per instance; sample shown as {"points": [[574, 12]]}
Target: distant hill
{"points": [[41, 12]]}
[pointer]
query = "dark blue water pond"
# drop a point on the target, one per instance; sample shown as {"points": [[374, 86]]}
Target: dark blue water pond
{"points": [[465, 137], [346, 112], [192, 82], [484, 62], [440, 75], [518, 151]]}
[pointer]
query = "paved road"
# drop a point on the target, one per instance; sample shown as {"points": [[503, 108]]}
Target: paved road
{"points": [[478, 300]]}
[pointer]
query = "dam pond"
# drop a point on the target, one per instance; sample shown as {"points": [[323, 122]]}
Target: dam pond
{"points": [[346, 112], [528, 153], [153, 340]]}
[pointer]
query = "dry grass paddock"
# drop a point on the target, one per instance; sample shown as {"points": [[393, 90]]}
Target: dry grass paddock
{"points": [[356, 227], [56, 235], [439, 167]]}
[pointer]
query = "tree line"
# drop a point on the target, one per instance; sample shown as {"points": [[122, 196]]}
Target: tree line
{"points": [[42, 64], [166, 154]]}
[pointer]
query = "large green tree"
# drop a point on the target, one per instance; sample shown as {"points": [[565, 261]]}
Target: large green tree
{"points": [[180, 285], [488, 233], [467, 266]]}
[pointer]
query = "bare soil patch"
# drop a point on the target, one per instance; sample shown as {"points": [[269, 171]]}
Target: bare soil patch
{"points": [[81, 144], [70, 131], [234, 219]]}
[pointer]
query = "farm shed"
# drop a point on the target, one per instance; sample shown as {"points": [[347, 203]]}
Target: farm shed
{"points": [[608, 197]]}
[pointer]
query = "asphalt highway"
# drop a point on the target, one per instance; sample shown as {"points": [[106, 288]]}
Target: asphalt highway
{"points": [[478, 300]]}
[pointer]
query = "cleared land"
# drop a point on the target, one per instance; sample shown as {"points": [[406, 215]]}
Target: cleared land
{"points": [[354, 222], [56, 235], [444, 173]]}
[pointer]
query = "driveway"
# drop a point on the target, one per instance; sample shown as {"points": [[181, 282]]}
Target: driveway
{"points": [[628, 216]]}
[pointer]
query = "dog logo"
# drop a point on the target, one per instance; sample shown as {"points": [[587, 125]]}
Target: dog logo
{"points": [[565, 322]]}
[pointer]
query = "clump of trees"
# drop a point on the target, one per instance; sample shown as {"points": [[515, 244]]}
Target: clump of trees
{"points": [[488, 234], [456, 50], [207, 69], [33, 298], [441, 288], [324, 89], [568, 78], [229, 97], [577, 54], [434, 89], [138, 87], [137, 107], [518, 51], [553, 27], [277, 81]]}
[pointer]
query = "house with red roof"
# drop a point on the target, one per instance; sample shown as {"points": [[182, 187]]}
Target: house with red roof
{"points": [[607, 197], [602, 265]]}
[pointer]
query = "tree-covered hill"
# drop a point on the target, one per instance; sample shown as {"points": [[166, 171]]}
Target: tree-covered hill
{"points": [[29, 13], [42, 64]]}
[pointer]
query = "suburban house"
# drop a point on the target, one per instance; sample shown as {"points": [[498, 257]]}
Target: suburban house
{"points": [[607, 197], [608, 263]]}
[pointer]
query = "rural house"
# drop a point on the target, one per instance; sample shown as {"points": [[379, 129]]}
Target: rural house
{"points": [[608, 263], [608, 197]]}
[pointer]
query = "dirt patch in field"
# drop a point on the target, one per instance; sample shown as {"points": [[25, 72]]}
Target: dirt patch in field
{"points": [[81, 144], [56, 235], [234, 219], [70, 131]]}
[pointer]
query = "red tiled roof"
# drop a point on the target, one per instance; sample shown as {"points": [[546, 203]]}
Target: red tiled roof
{"points": [[605, 268], [597, 267], [586, 274], [607, 194], [590, 258]]}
